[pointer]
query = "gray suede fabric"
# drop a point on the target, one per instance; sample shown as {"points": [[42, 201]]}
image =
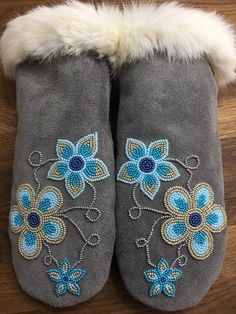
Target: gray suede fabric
{"points": [[175, 101], [65, 98]]}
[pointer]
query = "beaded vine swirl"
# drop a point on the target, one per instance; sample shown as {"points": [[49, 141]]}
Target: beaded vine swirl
{"points": [[39, 217], [190, 215]]}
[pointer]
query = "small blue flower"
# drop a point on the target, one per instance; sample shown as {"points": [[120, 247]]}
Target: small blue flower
{"points": [[66, 278], [162, 278], [147, 166], [77, 165]]}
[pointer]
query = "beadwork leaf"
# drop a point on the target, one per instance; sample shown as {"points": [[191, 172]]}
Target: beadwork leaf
{"points": [[65, 149], [162, 266], [151, 275], [77, 274], [30, 244], [216, 219], [203, 196], [60, 289], [16, 220], [150, 185], [25, 197], [88, 145], [49, 200], [200, 244], [74, 288], [75, 184], [169, 289], [174, 231], [65, 266], [129, 173], [96, 170], [167, 171], [175, 274], [54, 230], [135, 149], [58, 171], [177, 200], [155, 290], [159, 149], [54, 275]]}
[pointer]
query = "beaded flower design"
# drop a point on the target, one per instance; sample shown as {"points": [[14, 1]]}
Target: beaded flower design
{"points": [[147, 166], [76, 164], [194, 218], [34, 218], [162, 279], [66, 278]]}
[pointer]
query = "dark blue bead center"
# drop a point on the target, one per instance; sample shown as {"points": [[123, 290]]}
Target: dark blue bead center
{"points": [[162, 279], [147, 164], [65, 278], [195, 219], [33, 220], [76, 163]]}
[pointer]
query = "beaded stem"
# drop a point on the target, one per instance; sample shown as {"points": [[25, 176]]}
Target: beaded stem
{"points": [[187, 167], [147, 241], [49, 256], [86, 240], [180, 257], [38, 165], [142, 242]]}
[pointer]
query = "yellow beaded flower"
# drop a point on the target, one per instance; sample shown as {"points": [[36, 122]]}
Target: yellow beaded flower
{"points": [[34, 218], [194, 218]]}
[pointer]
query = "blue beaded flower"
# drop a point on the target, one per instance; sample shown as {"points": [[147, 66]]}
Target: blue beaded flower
{"points": [[194, 218], [66, 278], [147, 166], [162, 278], [77, 164], [34, 218]]}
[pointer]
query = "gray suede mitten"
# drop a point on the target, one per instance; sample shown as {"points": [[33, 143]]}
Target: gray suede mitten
{"points": [[170, 216], [61, 223]]}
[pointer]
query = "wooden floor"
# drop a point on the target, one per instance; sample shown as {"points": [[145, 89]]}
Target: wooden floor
{"points": [[114, 299]]}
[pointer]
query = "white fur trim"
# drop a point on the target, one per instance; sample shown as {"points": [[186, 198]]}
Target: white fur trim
{"points": [[121, 35], [67, 29]]}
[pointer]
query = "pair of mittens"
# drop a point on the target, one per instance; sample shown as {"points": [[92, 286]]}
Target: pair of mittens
{"points": [[170, 218]]}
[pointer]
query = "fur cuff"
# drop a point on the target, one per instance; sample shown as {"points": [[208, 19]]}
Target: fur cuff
{"points": [[68, 29], [123, 36]]}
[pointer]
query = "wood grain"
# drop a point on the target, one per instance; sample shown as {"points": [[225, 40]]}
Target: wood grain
{"points": [[114, 298]]}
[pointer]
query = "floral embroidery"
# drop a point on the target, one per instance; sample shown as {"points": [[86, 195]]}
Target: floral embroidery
{"points": [[194, 218], [34, 218], [66, 278], [190, 218], [147, 166], [76, 164], [162, 279], [39, 218]]}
